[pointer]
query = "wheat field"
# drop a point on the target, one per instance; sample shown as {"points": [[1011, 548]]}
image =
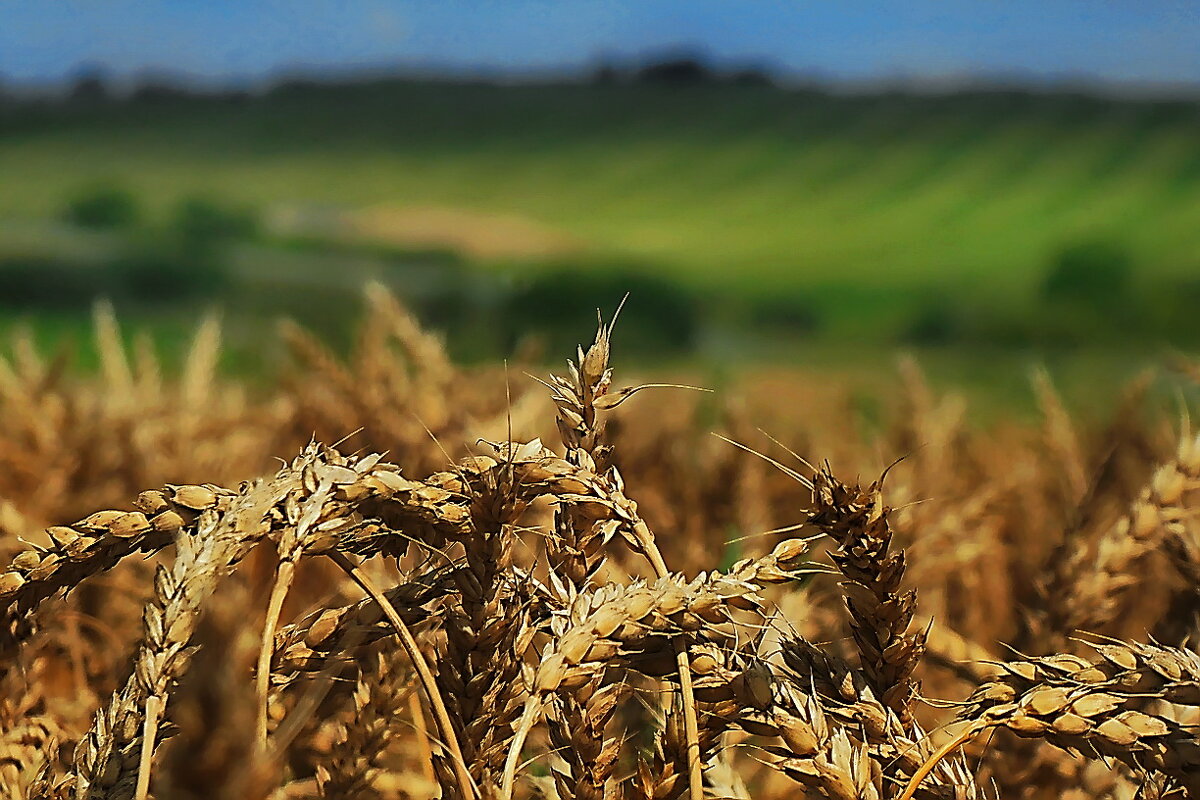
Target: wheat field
{"points": [[390, 576]]}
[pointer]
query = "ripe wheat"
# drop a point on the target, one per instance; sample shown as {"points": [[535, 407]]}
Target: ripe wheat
{"points": [[563, 593]]}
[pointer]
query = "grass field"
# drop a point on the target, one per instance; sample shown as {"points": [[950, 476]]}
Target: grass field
{"points": [[876, 215], [735, 188]]}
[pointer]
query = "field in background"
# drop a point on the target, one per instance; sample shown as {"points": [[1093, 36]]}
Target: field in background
{"points": [[745, 219], [721, 186]]}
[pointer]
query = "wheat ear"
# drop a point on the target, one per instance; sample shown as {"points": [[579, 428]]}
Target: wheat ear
{"points": [[639, 623], [1156, 520], [106, 759], [857, 520], [356, 758], [1091, 706]]}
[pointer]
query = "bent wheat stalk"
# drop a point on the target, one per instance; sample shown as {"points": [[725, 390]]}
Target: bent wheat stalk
{"points": [[425, 675], [967, 734], [292, 543]]}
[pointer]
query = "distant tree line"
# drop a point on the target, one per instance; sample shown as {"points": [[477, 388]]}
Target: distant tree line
{"points": [[93, 87], [682, 70]]}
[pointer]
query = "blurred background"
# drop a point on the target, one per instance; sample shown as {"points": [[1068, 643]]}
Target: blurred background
{"points": [[991, 186]]}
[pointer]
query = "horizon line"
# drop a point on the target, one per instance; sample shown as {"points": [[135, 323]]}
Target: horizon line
{"points": [[127, 82]]}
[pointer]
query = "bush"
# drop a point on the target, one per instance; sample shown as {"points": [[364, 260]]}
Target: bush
{"points": [[163, 271], [938, 322], [684, 71], [47, 283], [152, 272], [659, 311], [1094, 273], [89, 87], [103, 207]]}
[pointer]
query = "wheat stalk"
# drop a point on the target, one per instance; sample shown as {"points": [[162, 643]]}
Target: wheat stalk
{"points": [[450, 734]]}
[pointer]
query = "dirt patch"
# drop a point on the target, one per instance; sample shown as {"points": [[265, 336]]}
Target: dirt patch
{"points": [[473, 234]]}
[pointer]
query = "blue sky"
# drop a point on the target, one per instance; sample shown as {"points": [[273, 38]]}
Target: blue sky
{"points": [[1136, 41]]}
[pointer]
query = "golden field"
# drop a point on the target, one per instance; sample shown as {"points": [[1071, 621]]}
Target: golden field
{"points": [[386, 575]]}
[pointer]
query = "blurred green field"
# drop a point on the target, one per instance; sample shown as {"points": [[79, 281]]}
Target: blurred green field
{"points": [[882, 219], [751, 189]]}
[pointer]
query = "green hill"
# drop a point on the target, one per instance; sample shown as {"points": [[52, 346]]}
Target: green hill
{"points": [[864, 204]]}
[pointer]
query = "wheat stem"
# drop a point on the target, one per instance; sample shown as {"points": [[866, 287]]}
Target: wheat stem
{"points": [[533, 707], [284, 575], [149, 734], [428, 683], [931, 763], [691, 726]]}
